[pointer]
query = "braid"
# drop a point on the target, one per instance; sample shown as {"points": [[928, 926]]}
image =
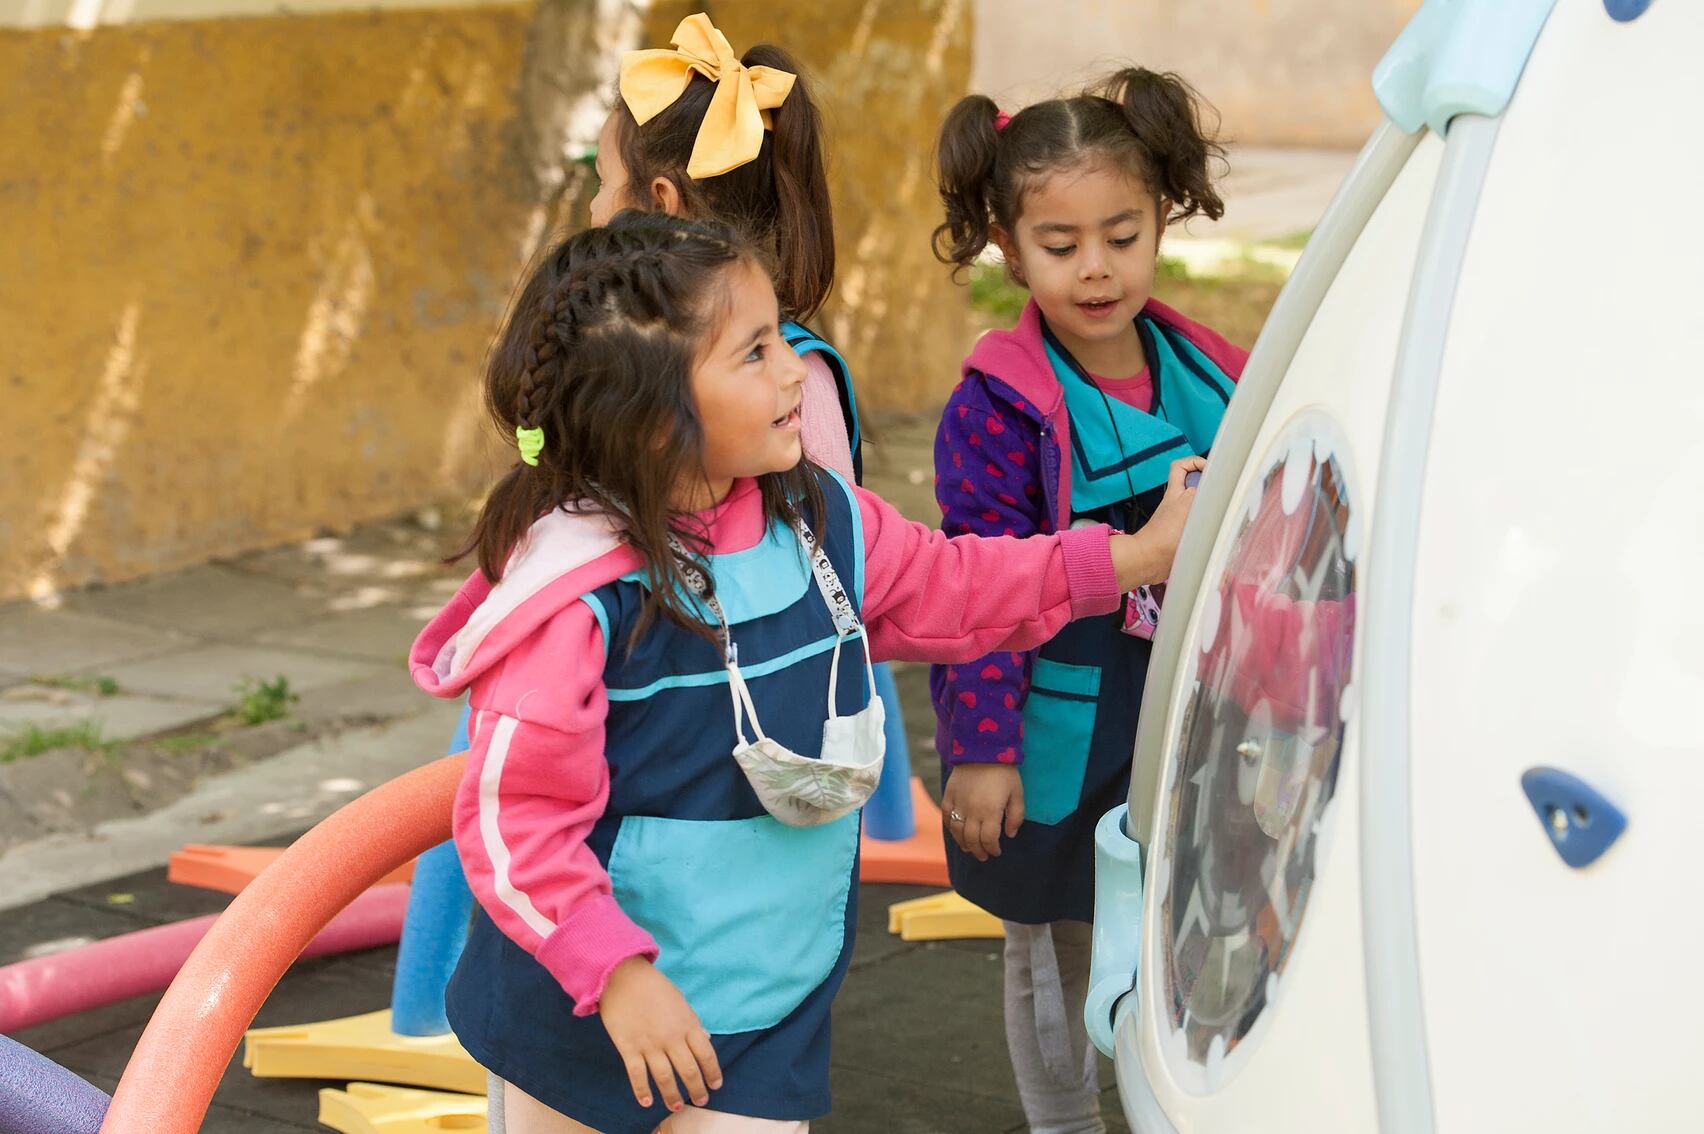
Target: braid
{"points": [[541, 352]]}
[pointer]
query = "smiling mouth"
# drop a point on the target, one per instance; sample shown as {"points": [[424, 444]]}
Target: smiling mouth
{"points": [[1098, 306], [788, 420]]}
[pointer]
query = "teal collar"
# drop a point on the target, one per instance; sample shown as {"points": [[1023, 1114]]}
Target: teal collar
{"points": [[1117, 451]]}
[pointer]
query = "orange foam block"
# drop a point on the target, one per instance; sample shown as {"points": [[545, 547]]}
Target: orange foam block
{"points": [[230, 869], [920, 860]]}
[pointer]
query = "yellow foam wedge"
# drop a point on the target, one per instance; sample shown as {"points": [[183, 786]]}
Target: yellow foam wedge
{"points": [[362, 1047], [370, 1108], [942, 917]]}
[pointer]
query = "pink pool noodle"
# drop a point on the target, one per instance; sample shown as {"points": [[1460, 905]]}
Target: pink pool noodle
{"points": [[45, 988], [182, 1054]]}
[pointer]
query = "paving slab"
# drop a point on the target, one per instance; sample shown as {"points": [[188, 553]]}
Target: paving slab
{"points": [[120, 717], [35, 640], [395, 557], [210, 601], [286, 793], [212, 673], [385, 693], [381, 633]]}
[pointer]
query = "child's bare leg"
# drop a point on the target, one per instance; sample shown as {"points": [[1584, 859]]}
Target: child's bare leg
{"points": [[523, 1114], [695, 1120]]}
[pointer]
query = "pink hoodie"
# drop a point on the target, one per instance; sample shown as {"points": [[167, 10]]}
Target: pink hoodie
{"points": [[530, 654]]}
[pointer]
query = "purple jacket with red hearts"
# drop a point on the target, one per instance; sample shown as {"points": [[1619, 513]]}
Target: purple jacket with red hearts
{"points": [[1000, 469]]}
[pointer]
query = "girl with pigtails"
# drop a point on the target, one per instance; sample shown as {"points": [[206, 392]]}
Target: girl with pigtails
{"points": [[1095, 408]]}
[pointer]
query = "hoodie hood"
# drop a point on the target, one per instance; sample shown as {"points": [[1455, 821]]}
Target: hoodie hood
{"points": [[1019, 359], [565, 556]]}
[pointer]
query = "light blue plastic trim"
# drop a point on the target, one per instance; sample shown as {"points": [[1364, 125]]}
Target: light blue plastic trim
{"points": [[1118, 926], [1375, 170], [601, 613], [1458, 57], [1396, 1016]]}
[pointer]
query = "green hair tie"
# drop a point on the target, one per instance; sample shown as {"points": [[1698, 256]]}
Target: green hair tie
{"points": [[531, 444]]}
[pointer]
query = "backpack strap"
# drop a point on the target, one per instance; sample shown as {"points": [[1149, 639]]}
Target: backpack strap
{"points": [[803, 340]]}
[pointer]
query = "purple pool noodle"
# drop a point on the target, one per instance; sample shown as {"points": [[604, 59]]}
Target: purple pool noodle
{"points": [[38, 1096]]}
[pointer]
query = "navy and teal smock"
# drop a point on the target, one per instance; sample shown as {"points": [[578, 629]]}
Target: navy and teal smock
{"points": [[1084, 687], [753, 919]]}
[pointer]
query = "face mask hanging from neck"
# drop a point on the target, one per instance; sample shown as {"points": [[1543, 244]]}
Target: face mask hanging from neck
{"points": [[798, 790]]}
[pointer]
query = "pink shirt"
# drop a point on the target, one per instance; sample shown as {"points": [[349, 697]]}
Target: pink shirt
{"points": [[530, 654], [1137, 390], [824, 425]]}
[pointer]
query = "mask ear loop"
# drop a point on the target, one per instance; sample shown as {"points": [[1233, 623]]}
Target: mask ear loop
{"points": [[846, 620], [738, 691]]}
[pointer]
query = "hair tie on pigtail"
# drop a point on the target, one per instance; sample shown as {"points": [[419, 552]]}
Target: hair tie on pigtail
{"points": [[531, 444], [1001, 120]]}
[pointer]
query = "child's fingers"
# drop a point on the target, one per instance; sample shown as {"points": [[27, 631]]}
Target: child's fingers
{"points": [[988, 838], [970, 839], [1181, 469], [699, 1042], [637, 1077], [955, 821], [1014, 812], [663, 1075], [686, 1066]]}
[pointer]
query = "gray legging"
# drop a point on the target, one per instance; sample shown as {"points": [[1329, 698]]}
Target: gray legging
{"points": [[493, 1104], [1047, 981]]}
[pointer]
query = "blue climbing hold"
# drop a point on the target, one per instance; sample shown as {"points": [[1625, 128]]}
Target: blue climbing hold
{"points": [[1625, 11], [1580, 822]]}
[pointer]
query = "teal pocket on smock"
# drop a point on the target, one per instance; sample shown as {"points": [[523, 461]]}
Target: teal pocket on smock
{"points": [[749, 914], [1059, 726]]}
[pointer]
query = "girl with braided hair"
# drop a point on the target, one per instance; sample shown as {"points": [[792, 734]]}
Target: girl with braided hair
{"points": [[659, 814]]}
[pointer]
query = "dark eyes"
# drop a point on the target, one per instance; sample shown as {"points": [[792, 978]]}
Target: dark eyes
{"points": [[1067, 249]]}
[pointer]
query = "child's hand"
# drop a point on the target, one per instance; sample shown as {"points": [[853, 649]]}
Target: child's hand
{"points": [[1145, 557], [988, 798], [656, 1031]]}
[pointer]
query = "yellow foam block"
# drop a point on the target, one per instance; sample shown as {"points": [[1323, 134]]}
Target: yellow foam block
{"points": [[369, 1108], [362, 1047], [942, 917]]}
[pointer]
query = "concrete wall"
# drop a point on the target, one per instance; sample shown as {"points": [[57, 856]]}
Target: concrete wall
{"points": [[1281, 72], [252, 265]]}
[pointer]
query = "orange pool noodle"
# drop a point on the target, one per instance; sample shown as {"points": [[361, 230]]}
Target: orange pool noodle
{"points": [[169, 1082]]}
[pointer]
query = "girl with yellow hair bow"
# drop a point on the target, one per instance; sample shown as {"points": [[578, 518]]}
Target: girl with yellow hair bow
{"points": [[701, 133]]}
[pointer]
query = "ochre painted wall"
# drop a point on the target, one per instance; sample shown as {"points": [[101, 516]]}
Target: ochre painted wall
{"points": [[250, 271], [252, 266]]}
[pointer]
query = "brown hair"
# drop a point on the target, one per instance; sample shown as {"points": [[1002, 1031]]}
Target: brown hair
{"points": [[778, 201], [598, 352], [1150, 124]]}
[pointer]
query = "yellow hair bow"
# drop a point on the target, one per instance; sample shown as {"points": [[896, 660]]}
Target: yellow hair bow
{"points": [[732, 131]]}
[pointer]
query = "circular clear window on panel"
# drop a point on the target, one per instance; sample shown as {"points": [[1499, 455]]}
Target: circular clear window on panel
{"points": [[1256, 763]]}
